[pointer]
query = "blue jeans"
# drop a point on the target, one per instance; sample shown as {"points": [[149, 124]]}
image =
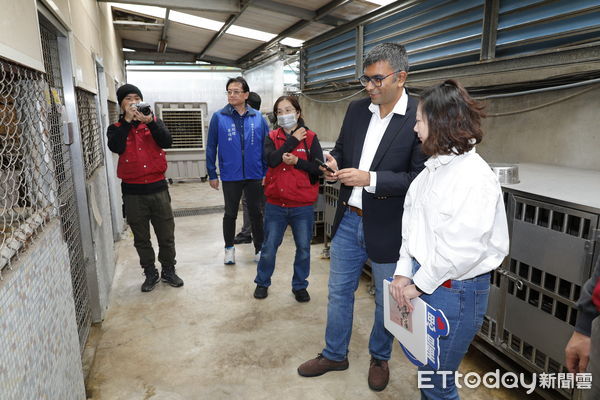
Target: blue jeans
{"points": [[348, 256], [464, 306], [276, 221]]}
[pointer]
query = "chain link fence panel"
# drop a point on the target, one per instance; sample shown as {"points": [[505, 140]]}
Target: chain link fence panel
{"points": [[28, 187], [89, 126]]}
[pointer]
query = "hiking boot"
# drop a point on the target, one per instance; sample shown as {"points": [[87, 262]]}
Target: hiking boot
{"points": [[241, 238], [379, 374], [261, 292], [301, 295], [320, 365], [229, 255], [168, 275], [152, 278]]}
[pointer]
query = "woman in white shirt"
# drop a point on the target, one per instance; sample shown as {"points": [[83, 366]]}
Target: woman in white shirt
{"points": [[454, 228]]}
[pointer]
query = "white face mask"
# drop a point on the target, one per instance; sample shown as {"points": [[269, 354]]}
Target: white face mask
{"points": [[287, 121]]}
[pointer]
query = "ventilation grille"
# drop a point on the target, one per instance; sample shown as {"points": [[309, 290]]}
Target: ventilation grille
{"points": [[488, 329], [545, 291], [534, 356], [332, 193], [547, 217], [185, 126]]}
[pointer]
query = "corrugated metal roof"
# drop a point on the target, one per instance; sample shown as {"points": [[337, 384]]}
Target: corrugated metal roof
{"points": [[264, 20], [143, 29]]}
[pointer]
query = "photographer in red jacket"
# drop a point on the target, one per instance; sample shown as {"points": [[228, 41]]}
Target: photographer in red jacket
{"points": [[139, 138]]}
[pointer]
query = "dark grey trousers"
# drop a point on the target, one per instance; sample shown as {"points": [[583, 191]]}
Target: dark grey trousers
{"points": [[155, 208]]}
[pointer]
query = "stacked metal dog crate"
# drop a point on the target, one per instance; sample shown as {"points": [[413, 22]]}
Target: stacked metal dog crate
{"points": [[553, 217]]}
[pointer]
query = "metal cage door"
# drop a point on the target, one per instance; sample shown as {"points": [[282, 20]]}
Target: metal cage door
{"points": [[68, 211]]}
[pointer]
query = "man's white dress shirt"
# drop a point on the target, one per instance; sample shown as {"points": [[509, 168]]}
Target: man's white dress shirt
{"points": [[377, 127]]}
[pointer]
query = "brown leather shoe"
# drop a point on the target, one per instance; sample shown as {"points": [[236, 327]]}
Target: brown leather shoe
{"points": [[320, 365], [379, 374]]}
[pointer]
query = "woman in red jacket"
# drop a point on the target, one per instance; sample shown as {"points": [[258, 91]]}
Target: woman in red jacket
{"points": [[291, 189]]}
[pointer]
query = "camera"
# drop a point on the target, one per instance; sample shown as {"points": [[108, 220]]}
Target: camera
{"points": [[144, 108]]}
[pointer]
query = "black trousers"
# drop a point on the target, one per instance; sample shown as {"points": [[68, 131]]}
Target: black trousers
{"points": [[232, 193], [155, 208], [247, 227]]}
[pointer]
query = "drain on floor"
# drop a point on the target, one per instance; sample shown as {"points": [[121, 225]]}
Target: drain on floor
{"points": [[187, 212]]}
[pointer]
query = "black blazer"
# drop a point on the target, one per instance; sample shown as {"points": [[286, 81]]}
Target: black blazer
{"points": [[398, 161]]}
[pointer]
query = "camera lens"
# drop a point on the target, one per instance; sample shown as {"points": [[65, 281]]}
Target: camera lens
{"points": [[144, 108]]}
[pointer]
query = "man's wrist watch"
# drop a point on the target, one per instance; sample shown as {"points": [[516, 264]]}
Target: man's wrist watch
{"points": [[418, 288]]}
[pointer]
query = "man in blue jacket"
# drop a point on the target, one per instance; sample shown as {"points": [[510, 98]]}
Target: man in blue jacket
{"points": [[236, 133]]}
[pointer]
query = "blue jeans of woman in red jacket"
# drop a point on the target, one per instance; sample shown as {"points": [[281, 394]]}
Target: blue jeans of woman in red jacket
{"points": [[277, 219]]}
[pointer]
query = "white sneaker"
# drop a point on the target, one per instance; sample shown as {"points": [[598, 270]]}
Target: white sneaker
{"points": [[229, 255], [257, 257]]}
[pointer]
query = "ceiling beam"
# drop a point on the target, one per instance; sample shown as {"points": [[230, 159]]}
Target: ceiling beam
{"points": [[147, 52], [220, 61], [137, 25], [162, 42], [294, 11], [232, 18], [160, 57], [174, 57], [225, 6], [319, 14], [133, 44]]}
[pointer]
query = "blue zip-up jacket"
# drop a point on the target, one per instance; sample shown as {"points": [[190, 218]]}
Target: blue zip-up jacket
{"points": [[240, 156]]}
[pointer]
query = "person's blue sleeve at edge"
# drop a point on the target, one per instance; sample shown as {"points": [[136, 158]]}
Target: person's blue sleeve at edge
{"points": [[211, 147]]}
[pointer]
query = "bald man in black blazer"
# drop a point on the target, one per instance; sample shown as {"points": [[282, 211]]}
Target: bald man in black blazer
{"points": [[376, 157]]}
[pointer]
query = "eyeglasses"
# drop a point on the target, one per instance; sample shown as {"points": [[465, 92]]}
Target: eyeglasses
{"points": [[377, 79], [234, 92], [281, 111]]}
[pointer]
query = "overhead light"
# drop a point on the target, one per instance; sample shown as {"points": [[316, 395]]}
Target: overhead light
{"points": [[213, 25], [193, 20], [128, 50], [205, 23], [288, 41], [381, 3], [157, 12]]}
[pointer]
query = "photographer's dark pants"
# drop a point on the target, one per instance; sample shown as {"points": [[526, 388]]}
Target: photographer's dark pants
{"points": [[155, 208], [232, 193]]}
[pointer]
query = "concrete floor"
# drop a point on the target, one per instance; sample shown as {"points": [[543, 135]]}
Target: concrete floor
{"points": [[212, 340]]}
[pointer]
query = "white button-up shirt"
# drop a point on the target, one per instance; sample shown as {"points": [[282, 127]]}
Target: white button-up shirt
{"points": [[454, 222], [377, 127]]}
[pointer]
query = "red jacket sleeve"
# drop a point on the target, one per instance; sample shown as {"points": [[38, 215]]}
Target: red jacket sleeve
{"points": [[596, 295]]}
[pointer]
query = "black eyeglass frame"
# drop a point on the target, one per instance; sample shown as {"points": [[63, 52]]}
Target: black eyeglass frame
{"points": [[377, 81]]}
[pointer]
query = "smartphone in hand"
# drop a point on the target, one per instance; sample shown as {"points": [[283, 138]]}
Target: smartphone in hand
{"points": [[322, 164]]}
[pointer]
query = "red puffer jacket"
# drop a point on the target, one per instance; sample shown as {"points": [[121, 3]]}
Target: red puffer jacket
{"points": [[143, 160]]}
